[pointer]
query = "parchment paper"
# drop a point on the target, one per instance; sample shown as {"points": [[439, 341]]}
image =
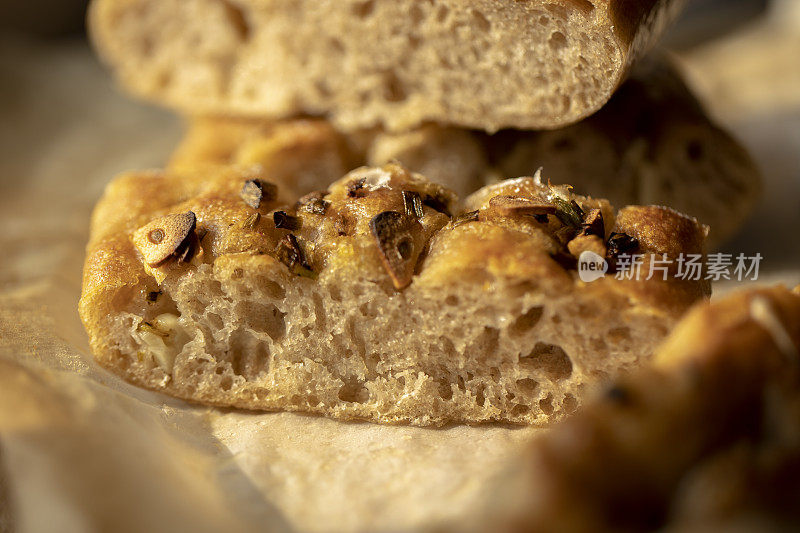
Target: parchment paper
{"points": [[80, 450]]}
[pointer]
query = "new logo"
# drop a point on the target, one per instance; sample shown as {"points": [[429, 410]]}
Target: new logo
{"points": [[591, 266]]}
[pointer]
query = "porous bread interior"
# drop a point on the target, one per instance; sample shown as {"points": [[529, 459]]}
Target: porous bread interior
{"points": [[354, 348], [485, 64]]}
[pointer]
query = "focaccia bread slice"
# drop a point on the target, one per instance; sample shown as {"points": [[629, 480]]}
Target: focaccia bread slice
{"points": [[652, 144], [705, 439], [369, 300], [484, 64]]}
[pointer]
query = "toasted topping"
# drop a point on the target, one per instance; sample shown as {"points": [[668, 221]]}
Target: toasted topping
{"points": [[568, 212], [150, 328], [256, 191], [314, 203], [164, 237], [285, 221], [437, 204], [186, 251], [519, 205], [412, 202], [463, 218], [620, 243], [356, 188], [593, 224], [290, 254], [394, 233], [252, 221]]}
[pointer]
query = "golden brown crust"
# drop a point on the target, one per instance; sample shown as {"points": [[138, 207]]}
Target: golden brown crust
{"points": [[704, 439]]}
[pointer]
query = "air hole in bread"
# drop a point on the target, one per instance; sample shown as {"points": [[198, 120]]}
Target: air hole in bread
{"points": [[263, 318], [371, 361], [480, 399], [250, 356], [322, 88], [368, 310], [335, 293], [550, 359], [226, 383], [546, 404], [238, 21], [364, 9], [353, 391], [416, 15], [442, 12], [445, 389], [355, 337], [486, 343], [215, 320], [481, 21], [527, 321], [584, 5], [448, 347], [393, 88], [319, 310], [336, 45], [558, 11], [569, 404], [519, 410], [527, 387], [557, 41], [621, 334]]}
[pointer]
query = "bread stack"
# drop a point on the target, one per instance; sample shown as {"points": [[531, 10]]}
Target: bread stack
{"points": [[422, 287]]}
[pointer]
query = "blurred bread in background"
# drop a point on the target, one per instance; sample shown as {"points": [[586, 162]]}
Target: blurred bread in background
{"points": [[651, 144]]}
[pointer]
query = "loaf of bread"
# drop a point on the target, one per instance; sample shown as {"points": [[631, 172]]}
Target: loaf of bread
{"points": [[652, 144], [377, 298], [484, 64], [707, 439]]}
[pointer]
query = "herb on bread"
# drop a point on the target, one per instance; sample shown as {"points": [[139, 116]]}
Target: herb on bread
{"points": [[394, 233], [412, 203], [284, 220], [256, 191]]}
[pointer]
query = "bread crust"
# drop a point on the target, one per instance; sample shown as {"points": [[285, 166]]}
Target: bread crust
{"points": [[547, 63], [489, 257]]}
